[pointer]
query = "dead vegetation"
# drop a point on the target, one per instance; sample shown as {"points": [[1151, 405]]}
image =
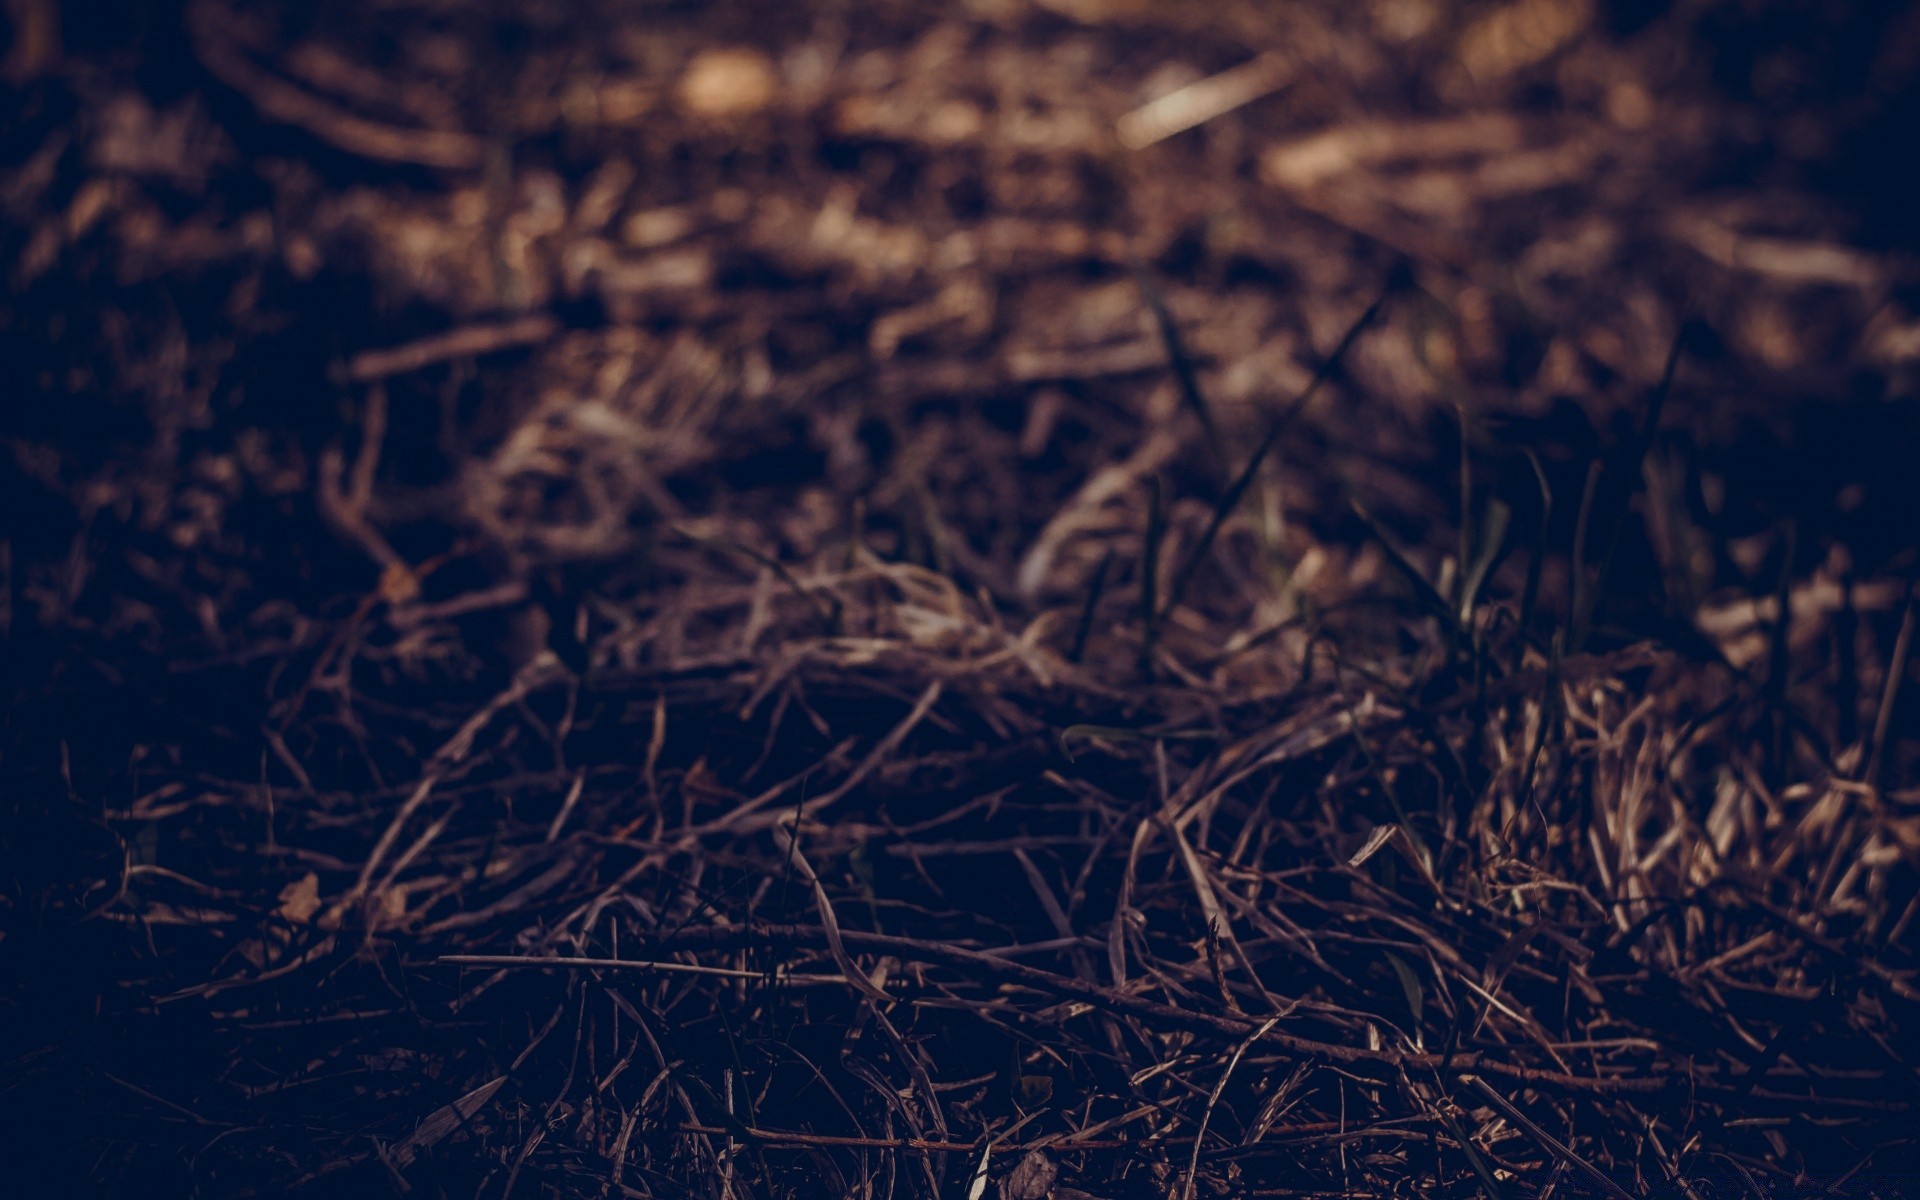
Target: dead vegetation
{"points": [[1070, 598]]}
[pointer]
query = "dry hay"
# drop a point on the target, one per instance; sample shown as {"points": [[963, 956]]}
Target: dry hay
{"points": [[775, 688]]}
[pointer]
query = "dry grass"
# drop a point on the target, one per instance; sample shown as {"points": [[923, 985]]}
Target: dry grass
{"points": [[875, 642]]}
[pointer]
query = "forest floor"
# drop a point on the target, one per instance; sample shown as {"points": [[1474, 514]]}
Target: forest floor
{"points": [[1013, 597]]}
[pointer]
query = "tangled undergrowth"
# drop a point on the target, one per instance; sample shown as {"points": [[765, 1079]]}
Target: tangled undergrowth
{"points": [[829, 630]]}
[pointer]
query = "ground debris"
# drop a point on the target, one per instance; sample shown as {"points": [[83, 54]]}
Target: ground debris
{"points": [[1092, 599]]}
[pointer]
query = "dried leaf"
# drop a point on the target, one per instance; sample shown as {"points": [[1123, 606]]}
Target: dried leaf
{"points": [[1031, 1178], [443, 1121]]}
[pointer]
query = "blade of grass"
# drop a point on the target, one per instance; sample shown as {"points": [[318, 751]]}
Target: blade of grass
{"points": [[1422, 856], [1213, 1101], [1889, 694], [1494, 540], [1846, 628], [1464, 553], [1423, 589], [1410, 988], [1095, 590], [1547, 1141], [1778, 665], [1488, 1183], [1181, 362], [1636, 465], [789, 842], [1492, 552], [1530, 594], [1150, 578], [1237, 489], [1569, 636], [1551, 700]]}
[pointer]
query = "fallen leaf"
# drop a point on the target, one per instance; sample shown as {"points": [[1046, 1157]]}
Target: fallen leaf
{"points": [[1031, 1178], [443, 1121]]}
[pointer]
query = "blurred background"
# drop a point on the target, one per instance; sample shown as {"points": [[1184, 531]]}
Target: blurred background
{"points": [[596, 266]]}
